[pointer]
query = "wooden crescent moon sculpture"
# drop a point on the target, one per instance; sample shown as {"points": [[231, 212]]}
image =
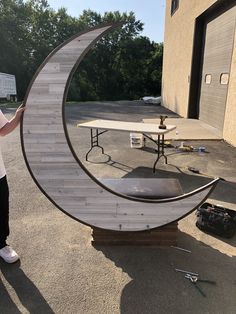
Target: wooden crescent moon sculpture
{"points": [[55, 167]]}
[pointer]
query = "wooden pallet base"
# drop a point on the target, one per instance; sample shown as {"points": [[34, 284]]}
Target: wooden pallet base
{"points": [[163, 236]]}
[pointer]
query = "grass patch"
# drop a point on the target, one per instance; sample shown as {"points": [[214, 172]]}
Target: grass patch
{"points": [[8, 105]]}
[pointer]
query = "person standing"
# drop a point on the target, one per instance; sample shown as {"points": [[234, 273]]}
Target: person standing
{"points": [[6, 252]]}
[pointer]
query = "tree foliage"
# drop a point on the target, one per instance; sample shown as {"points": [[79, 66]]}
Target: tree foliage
{"points": [[122, 65]]}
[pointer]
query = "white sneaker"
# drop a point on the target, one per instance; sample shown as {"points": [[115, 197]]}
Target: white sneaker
{"points": [[8, 254]]}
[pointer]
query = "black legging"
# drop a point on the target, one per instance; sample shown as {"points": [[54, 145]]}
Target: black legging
{"points": [[4, 211]]}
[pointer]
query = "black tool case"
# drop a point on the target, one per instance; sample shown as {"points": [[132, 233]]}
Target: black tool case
{"points": [[216, 219]]}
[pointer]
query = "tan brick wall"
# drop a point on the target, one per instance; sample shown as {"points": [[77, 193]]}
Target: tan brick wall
{"points": [[178, 45], [229, 132]]}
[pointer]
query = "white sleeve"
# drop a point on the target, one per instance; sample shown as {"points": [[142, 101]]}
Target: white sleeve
{"points": [[3, 119]]}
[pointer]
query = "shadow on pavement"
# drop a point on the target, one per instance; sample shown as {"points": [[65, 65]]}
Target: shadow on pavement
{"points": [[28, 294], [155, 286], [6, 303]]}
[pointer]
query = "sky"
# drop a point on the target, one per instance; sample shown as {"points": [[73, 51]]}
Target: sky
{"points": [[149, 12]]}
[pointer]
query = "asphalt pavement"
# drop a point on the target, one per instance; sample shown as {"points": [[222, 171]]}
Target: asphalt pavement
{"points": [[61, 272]]}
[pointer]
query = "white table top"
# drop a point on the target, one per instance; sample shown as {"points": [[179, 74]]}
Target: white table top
{"points": [[139, 127]]}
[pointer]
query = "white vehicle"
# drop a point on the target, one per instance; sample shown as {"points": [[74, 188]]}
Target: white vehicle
{"points": [[8, 87], [152, 100]]}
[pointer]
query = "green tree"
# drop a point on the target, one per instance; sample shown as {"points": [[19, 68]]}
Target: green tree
{"points": [[28, 33], [100, 69], [121, 65], [154, 65], [14, 52]]}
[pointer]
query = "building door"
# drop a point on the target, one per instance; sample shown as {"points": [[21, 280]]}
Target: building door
{"points": [[217, 58]]}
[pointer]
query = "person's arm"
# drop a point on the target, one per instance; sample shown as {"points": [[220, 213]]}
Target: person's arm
{"points": [[13, 123]]}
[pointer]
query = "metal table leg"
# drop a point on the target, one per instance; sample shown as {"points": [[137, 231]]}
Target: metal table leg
{"points": [[160, 148], [94, 135], [160, 151]]}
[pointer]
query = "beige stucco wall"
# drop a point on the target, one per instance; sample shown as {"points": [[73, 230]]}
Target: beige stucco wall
{"points": [[229, 133], [178, 45]]}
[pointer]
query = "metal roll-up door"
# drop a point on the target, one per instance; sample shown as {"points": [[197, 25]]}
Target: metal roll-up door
{"points": [[217, 58]]}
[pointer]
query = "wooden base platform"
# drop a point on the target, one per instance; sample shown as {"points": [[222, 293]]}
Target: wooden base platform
{"points": [[163, 236]]}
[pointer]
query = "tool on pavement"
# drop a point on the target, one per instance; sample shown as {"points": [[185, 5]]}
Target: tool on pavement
{"points": [[181, 249], [186, 272], [195, 279]]}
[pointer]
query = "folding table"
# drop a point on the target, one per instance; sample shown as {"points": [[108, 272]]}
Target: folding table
{"points": [[147, 129]]}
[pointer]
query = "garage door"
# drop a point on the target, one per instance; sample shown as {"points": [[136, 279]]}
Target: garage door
{"points": [[219, 38]]}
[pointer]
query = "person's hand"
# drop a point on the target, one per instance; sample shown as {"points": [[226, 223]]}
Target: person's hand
{"points": [[19, 111]]}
